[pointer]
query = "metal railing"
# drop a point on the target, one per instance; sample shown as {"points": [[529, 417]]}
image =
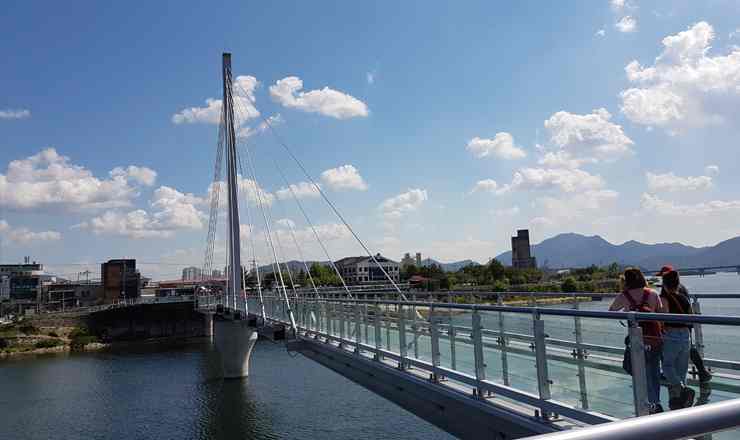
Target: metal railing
{"points": [[390, 331]]}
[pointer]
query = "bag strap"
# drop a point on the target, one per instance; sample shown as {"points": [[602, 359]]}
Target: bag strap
{"points": [[677, 302], [632, 302]]}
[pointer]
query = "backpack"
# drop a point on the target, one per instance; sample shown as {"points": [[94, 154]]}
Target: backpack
{"points": [[652, 331]]}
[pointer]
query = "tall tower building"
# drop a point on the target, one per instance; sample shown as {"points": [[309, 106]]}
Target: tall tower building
{"points": [[521, 257]]}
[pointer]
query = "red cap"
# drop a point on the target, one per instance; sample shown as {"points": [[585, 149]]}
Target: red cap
{"points": [[665, 270]]}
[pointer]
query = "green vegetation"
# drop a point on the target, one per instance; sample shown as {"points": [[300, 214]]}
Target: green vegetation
{"points": [[496, 277], [53, 334], [80, 337], [29, 329], [48, 343]]}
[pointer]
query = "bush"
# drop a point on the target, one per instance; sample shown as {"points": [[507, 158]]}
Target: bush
{"points": [[53, 334], [569, 285], [48, 343], [28, 329], [79, 332], [4, 343]]}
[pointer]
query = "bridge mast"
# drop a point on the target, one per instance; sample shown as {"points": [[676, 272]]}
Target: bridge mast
{"points": [[233, 288]]}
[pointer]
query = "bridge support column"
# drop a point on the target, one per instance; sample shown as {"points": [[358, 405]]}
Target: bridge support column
{"points": [[208, 324], [234, 342]]}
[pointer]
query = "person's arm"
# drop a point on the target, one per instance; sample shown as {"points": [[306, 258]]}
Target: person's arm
{"points": [[617, 304]]}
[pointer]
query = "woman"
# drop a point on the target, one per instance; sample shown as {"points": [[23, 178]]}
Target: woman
{"points": [[676, 345], [635, 297]]}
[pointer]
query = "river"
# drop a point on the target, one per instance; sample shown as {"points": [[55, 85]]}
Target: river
{"points": [[156, 392]]}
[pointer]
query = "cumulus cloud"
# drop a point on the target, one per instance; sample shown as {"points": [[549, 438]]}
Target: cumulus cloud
{"points": [[404, 203], [588, 137], [15, 114], [711, 170], [502, 146], [243, 95], [142, 175], [685, 86], [659, 206], [246, 131], [561, 179], [673, 183], [49, 180], [300, 190], [561, 159], [485, 185], [618, 5], [626, 24], [286, 223], [172, 210], [345, 177], [248, 188], [23, 235], [328, 102], [600, 33]]}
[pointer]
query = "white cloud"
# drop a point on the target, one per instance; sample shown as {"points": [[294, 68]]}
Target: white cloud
{"points": [[711, 170], [588, 137], [617, 5], [370, 77], [23, 235], [49, 180], [246, 131], [345, 177], [501, 146], [600, 33], [685, 86], [626, 24], [562, 179], [673, 183], [172, 210], [571, 209], [248, 189], [14, 114], [561, 159], [301, 190], [404, 203], [143, 175], [659, 206], [286, 223], [328, 102], [485, 185], [211, 113]]}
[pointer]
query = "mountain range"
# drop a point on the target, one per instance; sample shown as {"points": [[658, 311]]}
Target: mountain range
{"points": [[572, 250]]}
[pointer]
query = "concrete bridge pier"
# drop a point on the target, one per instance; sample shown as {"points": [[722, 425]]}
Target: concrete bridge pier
{"points": [[234, 340], [208, 324]]}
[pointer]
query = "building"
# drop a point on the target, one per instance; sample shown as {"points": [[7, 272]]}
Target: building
{"points": [[521, 257], [21, 286], [418, 259], [216, 274], [120, 280], [358, 270], [191, 273], [68, 295]]}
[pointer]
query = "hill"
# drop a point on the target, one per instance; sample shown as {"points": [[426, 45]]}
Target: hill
{"points": [[576, 250], [448, 267]]}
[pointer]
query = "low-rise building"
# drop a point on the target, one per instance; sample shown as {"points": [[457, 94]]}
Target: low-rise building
{"points": [[68, 295], [21, 286], [120, 280], [358, 270], [191, 273]]}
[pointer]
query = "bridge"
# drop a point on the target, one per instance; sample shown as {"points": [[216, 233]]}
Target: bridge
{"points": [[474, 370]]}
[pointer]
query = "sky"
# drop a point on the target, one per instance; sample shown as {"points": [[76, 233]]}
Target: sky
{"points": [[433, 127]]}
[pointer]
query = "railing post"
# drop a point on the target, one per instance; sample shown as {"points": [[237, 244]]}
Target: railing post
{"points": [[580, 355], [480, 365], [342, 323], [378, 337], [698, 333], [415, 328], [387, 328], [403, 349], [503, 342], [434, 334], [358, 328], [452, 334], [540, 351], [639, 378], [364, 321], [330, 320]]}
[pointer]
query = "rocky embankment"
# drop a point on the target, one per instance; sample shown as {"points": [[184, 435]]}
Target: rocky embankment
{"points": [[27, 337]]}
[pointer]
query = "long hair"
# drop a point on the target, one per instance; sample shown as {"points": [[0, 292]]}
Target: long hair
{"points": [[634, 279]]}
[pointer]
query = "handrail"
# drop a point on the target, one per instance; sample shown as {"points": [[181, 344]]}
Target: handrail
{"points": [[631, 316], [671, 425]]}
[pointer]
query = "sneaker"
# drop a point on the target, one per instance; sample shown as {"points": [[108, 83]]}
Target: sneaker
{"points": [[705, 376], [687, 397]]}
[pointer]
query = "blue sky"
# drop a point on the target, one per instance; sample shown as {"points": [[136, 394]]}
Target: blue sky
{"points": [[459, 123]]}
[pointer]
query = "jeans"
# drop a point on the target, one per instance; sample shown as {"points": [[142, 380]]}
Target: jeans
{"points": [[676, 349], [652, 372]]}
